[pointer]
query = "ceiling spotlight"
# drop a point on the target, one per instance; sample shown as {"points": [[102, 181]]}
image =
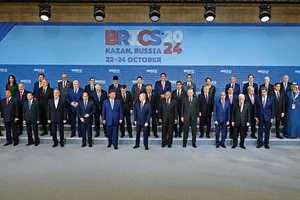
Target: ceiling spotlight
{"points": [[209, 13], [154, 12], [45, 12], [265, 13], [99, 12]]}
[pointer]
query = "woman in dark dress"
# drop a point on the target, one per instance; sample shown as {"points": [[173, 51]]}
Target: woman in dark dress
{"points": [[12, 85], [212, 89]]}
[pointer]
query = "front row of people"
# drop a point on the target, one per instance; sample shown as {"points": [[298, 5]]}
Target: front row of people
{"points": [[225, 113]]}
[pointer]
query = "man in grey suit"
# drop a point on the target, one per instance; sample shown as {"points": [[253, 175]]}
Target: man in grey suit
{"points": [[63, 86], [189, 84], [31, 114], [137, 89], [189, 115]]}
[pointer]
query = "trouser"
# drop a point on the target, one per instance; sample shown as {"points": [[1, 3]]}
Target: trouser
{"points": [[278, 120], [167, 133], [221, 127], [97, 122], [242, 131], [205, 121], [54, 132], [86, 128], [11, 132], [139, 128], [73, 123], [154, 124], [261, 126], [113, 134], [187, 124], [180, 124], [127, 116], [29, 127]]}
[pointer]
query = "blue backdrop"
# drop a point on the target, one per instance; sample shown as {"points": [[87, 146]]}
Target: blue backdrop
{"points": [[128, 50]]}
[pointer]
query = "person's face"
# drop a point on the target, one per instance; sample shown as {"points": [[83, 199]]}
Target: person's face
{"points": [[75, 85], [123, 90], [285, 79], [251, 91], [241, 99], [189, 78], [139, 81], [263, 93], [29, 96], [205, 90], [162, 77], [64, 77], [112, 95], [44, 83], [149, 89], [208, 82], [190, 93], [7, 94], [142, 97], [232, 79], [21, 87], [85, 96], [223, 95], [41, 78], [56, 94], [98, 89], [230, 91], [168, 95], [115, 81], [11, 79], [251, 79], [178, 86], [294, 89], [277, 87], [92, 81], [266, 81]]}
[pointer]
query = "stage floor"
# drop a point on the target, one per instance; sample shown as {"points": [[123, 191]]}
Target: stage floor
{"points": [[43, 172]]}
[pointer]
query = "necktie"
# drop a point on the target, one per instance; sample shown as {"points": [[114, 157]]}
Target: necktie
{"points": [[163, 85], [7, 101], [92, 87], [250, 84], [21, 94], [124, 97], [55, 103], [29, 105], [112, 104], [230, 98], [223, 104], [142, 104], [168, 103], [40, 84], [241, 107], [64, 84], [284, 86], [149, 96], [264, 102], [267, 87], [232, 85], [189, 85], [139, 87], [99, 96], [178, 93], [85, 104], [206, 98], [44, 90], [190, 102], [252, 100], [116, 86], [277, 95]]}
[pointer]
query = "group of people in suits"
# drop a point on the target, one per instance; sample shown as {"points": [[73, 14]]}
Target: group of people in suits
{"points": [[176, 110]]}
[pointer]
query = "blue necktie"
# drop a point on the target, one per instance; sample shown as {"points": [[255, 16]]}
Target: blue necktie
{"points": [[264, 102], [29, 105]]}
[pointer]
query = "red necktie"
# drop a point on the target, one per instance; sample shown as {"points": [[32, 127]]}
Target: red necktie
{"points": [[21, 95], [162, 85], [139, 87]]}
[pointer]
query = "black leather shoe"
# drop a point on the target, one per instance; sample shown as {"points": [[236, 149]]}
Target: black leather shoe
{"points": [[156, 136], [72, 135], [16, 143], [130, 136], [175, 136], [253, 136], [97, 135], [109, 145], [83, 145], [267, 146], [194, 145], [146, 148], [122, 136], [29, 144], [234, 146], [258, 146], [36, 144], [163, 145], [243, 147], [1, 134], [217, 146], [116, 148], [62, 145], [169, 146], [184, 145], [279, 136], [180, 136], [201, 136], [20, 133], [135, 147], [90, 145], [7, 143], [54, 145], [45, 133], [223, 145], [207, 136]]}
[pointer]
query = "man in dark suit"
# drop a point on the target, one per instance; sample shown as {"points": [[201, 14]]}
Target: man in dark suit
{"points": [[179, 94], [9, 115], [142, 114], [162, 86], [137, 89], [250, 99], [189, 115], [285, 85], [264, 112], [206, 103], [167, 115], [250, 83], [112, 116], [232, 98], [115, 86], [90, 87], [234, 85], [153, 98], [31, 114], [73, 97], [269, 87], [127, 106], [45, 93], [21, 96], [279, 97], [98, 97], [221, 118], [240, 121], [57, 116], [85, 111], [211, 88], [38, 85], [189, 84], [63, 86]]}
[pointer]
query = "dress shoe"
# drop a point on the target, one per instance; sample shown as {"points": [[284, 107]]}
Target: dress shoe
{"points": [[267, 146], [90, 145], [207, 136], [62, 145], [97, 135], [109, 145], [223, 145], [36, 144], [169, 146], [16, 143], [234, 146], [184, 145], [156, 136], [20, 133], [1, 134], [106, 135], [163, 145], [72, 135], [243, 147], [253, 136], [122, 136], [194, 145], [217, 146], [201, 136], [55, 145], [80, 136], [29, 144], [146, 148], [180, 136], [175, 136], [116, 148], [135, 146], [7, 143], [83, 145], [258, 146], [130, 136], [45, 133], [279, 136]]}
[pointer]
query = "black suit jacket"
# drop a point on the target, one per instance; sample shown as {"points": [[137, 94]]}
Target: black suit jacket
{"points": [[136, 93], [239, 117], [94, 97], [31, 115], [57, 114], [251, 106], [64, 91], [205, 108], [154, 101], [245, 88], [112, 87], [89, 90], [24, 96], [188, 110], [10, 111], [270, 87], [288, 87], [179, 99], [43, 98], [167, 114], [212, 90], [128, 105], [279, 103]]}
